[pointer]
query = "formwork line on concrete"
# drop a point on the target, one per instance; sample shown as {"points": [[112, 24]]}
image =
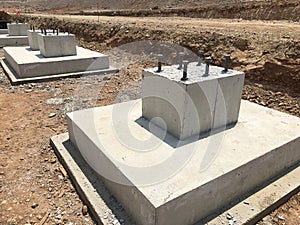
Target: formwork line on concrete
{"points": [[249, 210], [15, 80]]}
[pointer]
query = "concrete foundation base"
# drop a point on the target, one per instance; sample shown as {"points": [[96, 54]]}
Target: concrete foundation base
{"points": [[3, 31], [6, 40], [161, 181], [104, 208], [23, 64]]}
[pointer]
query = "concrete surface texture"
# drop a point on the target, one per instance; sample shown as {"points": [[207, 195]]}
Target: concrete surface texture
{"points": [[3, 31], [6, 40], [33, 39], [196, 106], [28, 63], [89, 185], [161, 181], [52, 45], [17, 29]]}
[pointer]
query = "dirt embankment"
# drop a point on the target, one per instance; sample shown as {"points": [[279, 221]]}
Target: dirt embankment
{"points": [[268, 59], [261, 10]]}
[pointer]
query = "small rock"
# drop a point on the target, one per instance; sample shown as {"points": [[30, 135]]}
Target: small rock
{"points": [[12, 222], [54, 101], [106, 78], [34, 205], [230, 222], [229, 216], [3, 202], [116, 222], [281, 218], [84, 210], [246, 203], [51, 115]]}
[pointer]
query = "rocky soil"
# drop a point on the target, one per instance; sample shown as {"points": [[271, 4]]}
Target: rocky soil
{"points": [[34, 188]]}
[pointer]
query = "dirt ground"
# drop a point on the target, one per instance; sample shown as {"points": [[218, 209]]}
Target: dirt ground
{"points": [[33, 184]]}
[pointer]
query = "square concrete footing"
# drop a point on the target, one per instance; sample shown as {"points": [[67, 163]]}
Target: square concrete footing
{"points": [[162, 181], [104, 208], [6, 40], [25, 65]]}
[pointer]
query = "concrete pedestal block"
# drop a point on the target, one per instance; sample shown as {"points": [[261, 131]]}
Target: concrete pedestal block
{"points": [[160, 182], [33, 39], [17, 29], [193, 107], [53, 45]]}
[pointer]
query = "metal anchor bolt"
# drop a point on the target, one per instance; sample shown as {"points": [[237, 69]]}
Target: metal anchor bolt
{"points": [[159, 62], [200, 55], [185, 67], [227, 62], [181, 55], [207, 61]]}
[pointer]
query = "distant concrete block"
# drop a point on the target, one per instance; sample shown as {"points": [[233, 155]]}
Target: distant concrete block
{"points": [[198, 105], [28, 63], [17, 29], [6, 40], [53, 45]]}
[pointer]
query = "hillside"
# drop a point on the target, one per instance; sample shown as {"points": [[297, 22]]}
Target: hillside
{"points": [[112, 4]]}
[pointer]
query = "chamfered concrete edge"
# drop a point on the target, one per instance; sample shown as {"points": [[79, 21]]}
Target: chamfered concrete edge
{"points": [[284, 186], [15, 80]]}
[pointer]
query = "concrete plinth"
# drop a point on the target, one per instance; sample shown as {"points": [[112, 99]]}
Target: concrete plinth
{"points": [[17, 29], [161, 181], [6, 40], [25, 63], [53, 45], [198, 105]]}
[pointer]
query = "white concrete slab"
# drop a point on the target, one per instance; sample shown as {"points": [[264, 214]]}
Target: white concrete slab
{"points": [[16, 80], [27, 63], [3, 31], [162, 181], [198, 105], [6, 40], [103, 207]]}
